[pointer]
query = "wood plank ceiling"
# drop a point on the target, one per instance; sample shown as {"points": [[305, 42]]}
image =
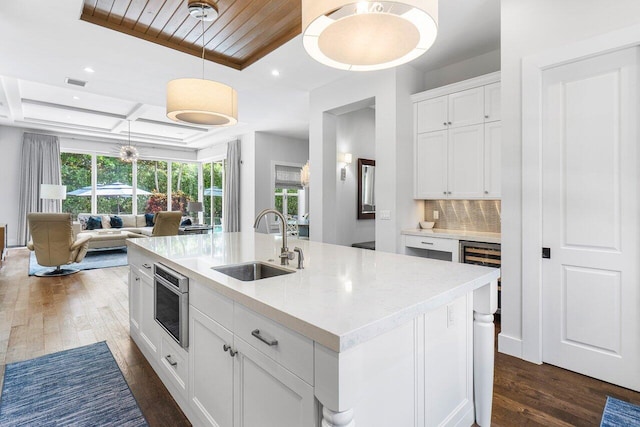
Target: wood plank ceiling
{"points": [[245, 31]]}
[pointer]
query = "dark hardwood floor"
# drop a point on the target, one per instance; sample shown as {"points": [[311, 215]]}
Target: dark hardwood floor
{"points": [[44, 315]]}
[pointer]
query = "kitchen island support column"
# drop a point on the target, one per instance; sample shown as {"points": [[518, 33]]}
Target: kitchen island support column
{"points": [[485, 303]]}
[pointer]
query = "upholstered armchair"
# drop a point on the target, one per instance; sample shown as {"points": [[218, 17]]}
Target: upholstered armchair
{"points": [[166, 223], [52, 240]]}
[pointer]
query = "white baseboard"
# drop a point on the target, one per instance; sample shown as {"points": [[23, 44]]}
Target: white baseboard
{"points": [[510, 345]]}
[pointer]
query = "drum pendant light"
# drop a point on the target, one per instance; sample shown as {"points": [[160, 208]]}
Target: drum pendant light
{"points": [[368, 35], [200, 101]]}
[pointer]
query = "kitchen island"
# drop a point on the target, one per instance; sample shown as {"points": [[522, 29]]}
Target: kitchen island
{"points": [[356, 336]]}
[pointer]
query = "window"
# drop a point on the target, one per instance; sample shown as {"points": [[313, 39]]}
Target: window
{"points": [[287, 186], [213, 187], [184, 185], [152, 178], [114, 189], [76, 175]]}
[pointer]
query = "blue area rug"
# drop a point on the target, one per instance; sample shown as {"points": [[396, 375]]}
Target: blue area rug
{"points": [[96, 258], [80, 387], [618, 413]]}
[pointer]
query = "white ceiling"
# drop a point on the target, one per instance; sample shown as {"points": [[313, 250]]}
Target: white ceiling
{"points": [[43, 44]]}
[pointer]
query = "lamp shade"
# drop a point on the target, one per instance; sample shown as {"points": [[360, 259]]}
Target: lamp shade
{"points": [[361, 35], [202, 102], [53, 191], [194, 207]]}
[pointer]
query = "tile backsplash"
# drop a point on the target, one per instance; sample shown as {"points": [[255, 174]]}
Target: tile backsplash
{"points": [[471, 215]]}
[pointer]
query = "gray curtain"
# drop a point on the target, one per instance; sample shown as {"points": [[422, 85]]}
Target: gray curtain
{"points": [[232, 188], [40, 165]]}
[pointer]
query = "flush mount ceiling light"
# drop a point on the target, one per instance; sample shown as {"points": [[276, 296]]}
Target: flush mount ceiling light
{"points": [[368, 35], [200, 101]]}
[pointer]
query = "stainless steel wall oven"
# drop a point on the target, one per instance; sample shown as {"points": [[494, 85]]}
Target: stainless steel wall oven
{"points": [[171, 302]]}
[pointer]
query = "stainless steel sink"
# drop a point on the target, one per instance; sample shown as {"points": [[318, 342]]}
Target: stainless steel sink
{"points": [[251, 271]]}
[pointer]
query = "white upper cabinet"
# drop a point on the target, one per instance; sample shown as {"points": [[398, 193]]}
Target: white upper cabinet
{"points": [[492, 159], [431, 165], [466, 162], [457, 140], [432, 115], [466, 107], [492, 106]]}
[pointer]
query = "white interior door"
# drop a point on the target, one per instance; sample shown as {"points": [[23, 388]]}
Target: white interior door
{"points": [[590, 192]]}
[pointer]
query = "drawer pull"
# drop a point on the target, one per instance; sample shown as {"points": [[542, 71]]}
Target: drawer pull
{"points": [[147, 266], [427, 243], [256, 333], [171, 362], [232, 352], [226, 347]]}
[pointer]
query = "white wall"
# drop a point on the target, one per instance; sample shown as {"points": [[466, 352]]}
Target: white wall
{"points": [[463, 70], [531, 27], [355, 134], [390, 89], [10, 161]]}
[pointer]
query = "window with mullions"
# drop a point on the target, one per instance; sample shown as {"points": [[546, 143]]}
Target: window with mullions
{"points": [[287, 185]]}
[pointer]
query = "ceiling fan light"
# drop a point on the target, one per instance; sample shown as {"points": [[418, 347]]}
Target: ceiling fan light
{"points": [[368, 35], [202, 102]]}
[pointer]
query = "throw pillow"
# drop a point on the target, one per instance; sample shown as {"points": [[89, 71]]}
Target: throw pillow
{"points": [[186, 222], [82, 219], [106, 221], [94, 223], [148, 218], [116, 222]]}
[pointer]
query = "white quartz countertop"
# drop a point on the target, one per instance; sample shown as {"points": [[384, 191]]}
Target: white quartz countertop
{"points": [[473, 236], [343, 296]]}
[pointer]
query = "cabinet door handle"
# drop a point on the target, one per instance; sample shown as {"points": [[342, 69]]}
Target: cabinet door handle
{"points": [[226, 347], [256, 333], [232, 352], [445, 123], [449, 123], [444, 192], [171, 362], [486, 116], [486, 192], [448, 192], [147, 266], [427, 243]]}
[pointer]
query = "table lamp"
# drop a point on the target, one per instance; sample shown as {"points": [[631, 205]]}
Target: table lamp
{"points": [[195, 207]]}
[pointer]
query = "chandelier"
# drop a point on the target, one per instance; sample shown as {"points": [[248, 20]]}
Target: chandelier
{"points": [[200, 101], [129, 153], [368, 35]]}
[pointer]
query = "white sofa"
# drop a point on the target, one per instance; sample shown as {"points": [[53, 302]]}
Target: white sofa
{"points": [[133, 226]]}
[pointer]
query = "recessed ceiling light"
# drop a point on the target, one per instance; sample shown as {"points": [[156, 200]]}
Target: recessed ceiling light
{"points": [[275, 73], [89, 70], [76, 97]]}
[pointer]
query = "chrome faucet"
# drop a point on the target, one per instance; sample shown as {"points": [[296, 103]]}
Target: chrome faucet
{"points": [[300, 257], [285, 255]]}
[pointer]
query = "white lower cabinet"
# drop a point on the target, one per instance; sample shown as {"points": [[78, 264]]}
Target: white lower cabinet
{"points": [[211, 373], [149, 329], [267, 394], [134, 299], [231, 383]]}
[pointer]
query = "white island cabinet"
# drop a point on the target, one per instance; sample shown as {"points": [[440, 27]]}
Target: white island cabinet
{"points": [[357, 337]]}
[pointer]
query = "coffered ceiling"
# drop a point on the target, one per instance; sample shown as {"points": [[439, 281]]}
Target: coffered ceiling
{"points": [[244, 32]]}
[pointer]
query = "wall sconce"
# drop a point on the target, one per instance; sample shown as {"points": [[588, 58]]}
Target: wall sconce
{"points": [[345, 158]]}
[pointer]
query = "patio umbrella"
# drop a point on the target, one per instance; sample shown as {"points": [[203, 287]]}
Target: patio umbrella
{"points": [[116, 189], [215, 191]]}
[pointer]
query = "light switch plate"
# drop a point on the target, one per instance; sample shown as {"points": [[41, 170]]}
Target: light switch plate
{"points": [[436, 214], [385, 214]]}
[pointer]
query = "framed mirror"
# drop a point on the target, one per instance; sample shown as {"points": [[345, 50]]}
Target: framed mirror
{"points": [[366, 189]]}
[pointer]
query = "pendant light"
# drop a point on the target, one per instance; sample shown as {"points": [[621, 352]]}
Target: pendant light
{"points": [[368, 35], [200, 101], [129, 153]]}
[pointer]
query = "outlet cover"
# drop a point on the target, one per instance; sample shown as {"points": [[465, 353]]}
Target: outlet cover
{"points": [[385, 215]]}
